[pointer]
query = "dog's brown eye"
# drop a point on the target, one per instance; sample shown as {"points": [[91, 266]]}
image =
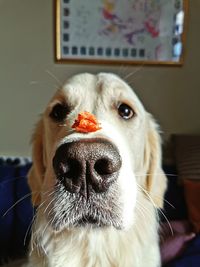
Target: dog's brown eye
{"points": [[125, 111], [59, 112]]}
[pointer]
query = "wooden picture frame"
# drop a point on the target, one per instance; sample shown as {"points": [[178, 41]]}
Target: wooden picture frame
{"points": [[141, 32]]}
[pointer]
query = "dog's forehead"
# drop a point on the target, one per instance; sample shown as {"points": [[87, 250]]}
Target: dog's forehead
{"points": [[88, 85], [81, 82]]}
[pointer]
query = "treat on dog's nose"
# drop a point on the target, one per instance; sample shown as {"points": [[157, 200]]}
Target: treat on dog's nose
{"points": [[86, 123]]}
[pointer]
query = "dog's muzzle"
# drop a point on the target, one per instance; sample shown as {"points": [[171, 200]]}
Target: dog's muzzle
{"points": [[87, 165]]}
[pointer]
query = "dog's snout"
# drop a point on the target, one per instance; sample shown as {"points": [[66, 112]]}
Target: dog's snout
{"points": [[87, 165]]}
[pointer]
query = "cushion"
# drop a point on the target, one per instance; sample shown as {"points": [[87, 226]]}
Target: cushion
{"points": [[174, 204], [174, 239], [192, 196], [187, 156], [190, 257]]}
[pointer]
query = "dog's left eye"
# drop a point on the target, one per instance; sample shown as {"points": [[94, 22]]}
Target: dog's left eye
{"points": [[125, 111], [59, 112]]}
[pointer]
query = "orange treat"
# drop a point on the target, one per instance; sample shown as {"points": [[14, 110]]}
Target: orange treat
{"points": [[86, 123]]}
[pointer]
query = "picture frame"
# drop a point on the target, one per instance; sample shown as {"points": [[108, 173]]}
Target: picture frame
{"points": [[145, 32]]}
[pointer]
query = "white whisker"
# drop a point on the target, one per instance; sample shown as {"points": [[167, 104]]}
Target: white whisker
{"points": [[29, 228], [59, 83], [156, 174], [17, 202], [131, 74], [157, 208]]}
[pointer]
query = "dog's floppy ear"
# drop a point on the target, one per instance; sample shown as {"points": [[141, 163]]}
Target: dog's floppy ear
{"points": [[155, 177], [36, 173]]}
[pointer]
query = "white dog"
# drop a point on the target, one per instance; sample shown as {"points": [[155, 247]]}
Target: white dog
{"points": [[98, 189]]}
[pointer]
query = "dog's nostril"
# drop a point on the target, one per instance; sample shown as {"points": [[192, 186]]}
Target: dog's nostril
{"points": [[70, 169], [63, 168], [104, 166]]}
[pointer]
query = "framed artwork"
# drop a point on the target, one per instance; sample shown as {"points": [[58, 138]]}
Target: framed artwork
{"points": [[120, 31]]}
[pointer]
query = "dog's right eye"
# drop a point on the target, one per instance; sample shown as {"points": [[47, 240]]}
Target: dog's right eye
{"points": [[59, 112]]}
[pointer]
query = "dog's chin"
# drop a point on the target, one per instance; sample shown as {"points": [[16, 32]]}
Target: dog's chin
{"points": [[97, 223], [86, 222], [90, 221]]}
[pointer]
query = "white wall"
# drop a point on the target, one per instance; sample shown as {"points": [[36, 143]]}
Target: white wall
{"points": [[26, 57]]}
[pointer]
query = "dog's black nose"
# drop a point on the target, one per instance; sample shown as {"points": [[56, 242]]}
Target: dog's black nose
{"points": [[87, 165]]}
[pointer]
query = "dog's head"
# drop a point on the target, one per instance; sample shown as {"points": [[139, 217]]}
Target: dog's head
{"points": [[92, 178]]}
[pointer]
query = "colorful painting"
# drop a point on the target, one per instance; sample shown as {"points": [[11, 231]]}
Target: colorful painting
{"points": [[142, 31]]}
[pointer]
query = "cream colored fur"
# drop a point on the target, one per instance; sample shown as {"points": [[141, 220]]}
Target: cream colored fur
{"points": [[141, 181]]}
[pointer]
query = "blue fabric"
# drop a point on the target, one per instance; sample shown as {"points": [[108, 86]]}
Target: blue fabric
{"points": [[6, 201], [16, 211], [190, 257]]}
